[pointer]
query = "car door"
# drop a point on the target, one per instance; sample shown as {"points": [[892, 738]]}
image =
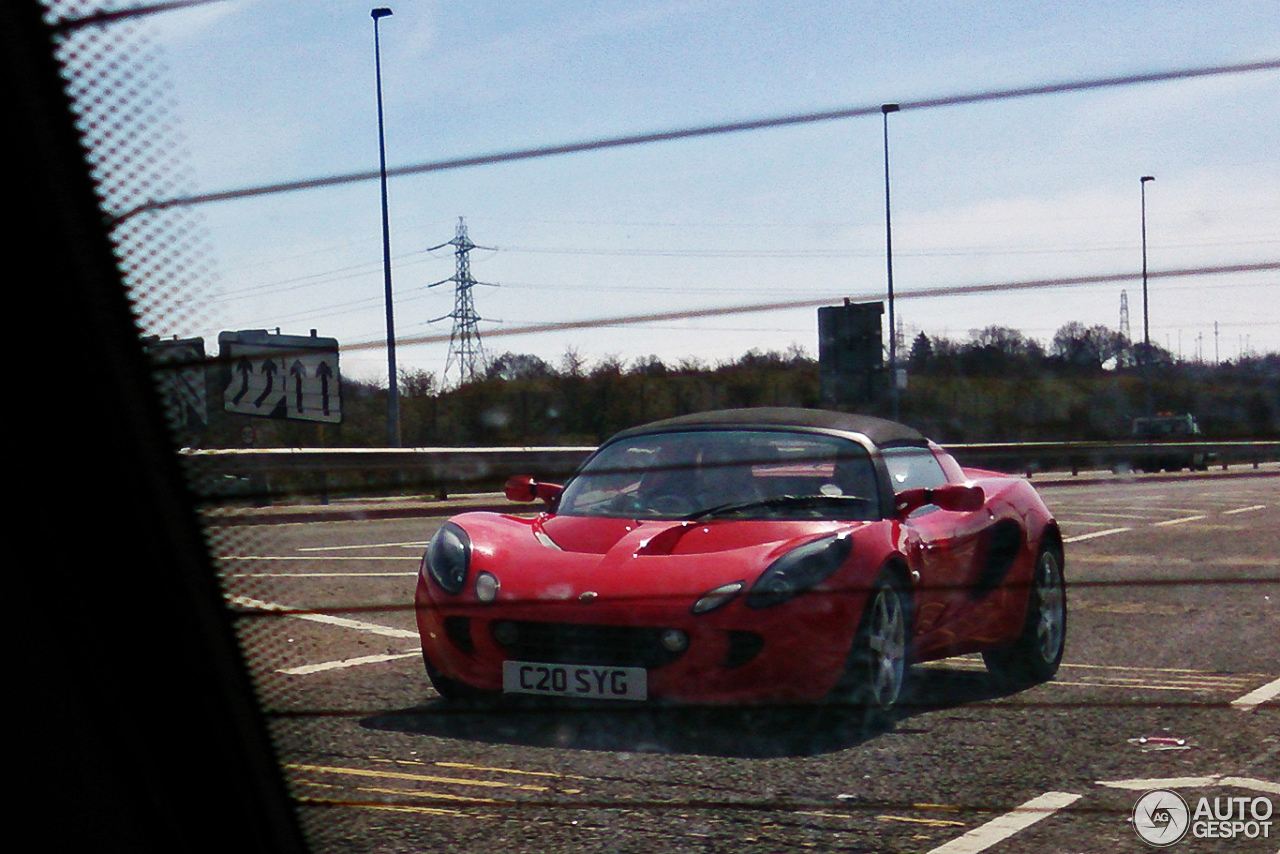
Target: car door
{"points": [[942, 548]]}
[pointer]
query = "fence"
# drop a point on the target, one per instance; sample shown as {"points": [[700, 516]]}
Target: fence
{"points": [[264, 475]]}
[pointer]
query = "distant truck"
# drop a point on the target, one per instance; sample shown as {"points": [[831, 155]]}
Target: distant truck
{"points": [[1167, 428]]}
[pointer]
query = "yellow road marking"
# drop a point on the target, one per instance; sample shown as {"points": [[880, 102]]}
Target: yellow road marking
{"points": [[1193, 681], [1139, 685], [1133, 608], [422, 778], [1157, 669], [369, 805], [413, 793], [427, 810], [1144, 678], [976, 664], [931, 822], [468, 766]]}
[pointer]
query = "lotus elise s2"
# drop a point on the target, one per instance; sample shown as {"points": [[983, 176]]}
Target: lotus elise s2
{"points": [[743, 556]]}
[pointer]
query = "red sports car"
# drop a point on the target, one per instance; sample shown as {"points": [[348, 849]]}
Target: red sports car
{"points": [[743, 556]]}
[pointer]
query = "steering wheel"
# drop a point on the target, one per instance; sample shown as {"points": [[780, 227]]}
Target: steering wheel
{"points": [[670, 504]]}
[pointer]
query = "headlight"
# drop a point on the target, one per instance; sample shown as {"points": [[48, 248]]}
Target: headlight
{"points": [[798, 570], [447, 557]]}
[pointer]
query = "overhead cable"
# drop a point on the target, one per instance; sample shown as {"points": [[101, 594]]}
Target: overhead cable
{"points": [[700, 131]]}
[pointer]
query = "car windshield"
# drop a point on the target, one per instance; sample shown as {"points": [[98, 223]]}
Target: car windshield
{"points": [[765, 474]]}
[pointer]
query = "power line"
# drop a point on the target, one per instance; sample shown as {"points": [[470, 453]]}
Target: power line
{"points": [[959, 290], [942, 252], [700, 131]]}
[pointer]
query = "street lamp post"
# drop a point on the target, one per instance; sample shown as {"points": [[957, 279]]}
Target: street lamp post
{"points": [[885, 110], [393, 388], [1146, 328], [1146, 325]]}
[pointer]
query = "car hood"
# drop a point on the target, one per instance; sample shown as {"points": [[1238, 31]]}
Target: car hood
{"points": [[550, 557], [590, 535]]}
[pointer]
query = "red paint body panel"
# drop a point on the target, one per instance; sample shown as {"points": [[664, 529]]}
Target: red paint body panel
{"points": [[967, 574], [806, 640]]}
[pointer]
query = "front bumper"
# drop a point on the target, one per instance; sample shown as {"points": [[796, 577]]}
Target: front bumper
{"points": [[794, 651]]}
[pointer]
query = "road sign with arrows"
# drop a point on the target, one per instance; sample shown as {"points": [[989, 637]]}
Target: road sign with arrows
{"points": [[280, 376]]}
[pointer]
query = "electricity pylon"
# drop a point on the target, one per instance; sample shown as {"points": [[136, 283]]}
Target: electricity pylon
{"points": [[466, 350]]}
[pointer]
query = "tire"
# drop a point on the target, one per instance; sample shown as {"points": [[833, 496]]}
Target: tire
{"points": [[452, 690], [1035, 656], [877, 670]]}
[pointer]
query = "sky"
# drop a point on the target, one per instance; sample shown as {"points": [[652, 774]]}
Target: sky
{"points": [[1005, 191]]}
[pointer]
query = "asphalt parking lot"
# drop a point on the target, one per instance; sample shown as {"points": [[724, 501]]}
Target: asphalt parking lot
{"points": [[1169, 683]]}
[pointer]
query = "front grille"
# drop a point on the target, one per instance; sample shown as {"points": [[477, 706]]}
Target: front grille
{"points": [[571, 643], [458, 630], [743, 646]]}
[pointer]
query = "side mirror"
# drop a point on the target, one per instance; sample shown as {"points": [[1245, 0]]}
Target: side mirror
{"points": [[954, 497], [521, 487]]}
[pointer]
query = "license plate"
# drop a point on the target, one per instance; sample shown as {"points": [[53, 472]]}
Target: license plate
{"points": [[575, 680]]}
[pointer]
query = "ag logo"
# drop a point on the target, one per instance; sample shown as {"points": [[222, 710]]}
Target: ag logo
{"points": [[1161, 817]]}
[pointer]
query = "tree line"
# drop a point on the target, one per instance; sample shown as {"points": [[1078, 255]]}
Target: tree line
{"points": [[1088, 383]]}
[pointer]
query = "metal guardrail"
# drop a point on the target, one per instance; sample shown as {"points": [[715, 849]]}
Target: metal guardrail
{"points": [[1031, 457], [258, 473], [457, 464], [261, 474]]}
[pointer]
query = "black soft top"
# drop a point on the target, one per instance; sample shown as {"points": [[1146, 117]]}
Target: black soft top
{"points": [[881, 432]]}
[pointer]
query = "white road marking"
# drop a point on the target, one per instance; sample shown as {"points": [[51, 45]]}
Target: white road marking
{"points": [[1177, 521], [1096, 534], [307, 669], [321, 574], [411, 545], [1214, 780], [1111, 515], [1251, 783], [1244, 510], [313, 559], [999, 829], [344, 622], [1257, 697], [1146, 784]]}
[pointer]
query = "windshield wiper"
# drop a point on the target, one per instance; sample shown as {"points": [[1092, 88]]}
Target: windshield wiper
{"points": [[777, 501]]}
